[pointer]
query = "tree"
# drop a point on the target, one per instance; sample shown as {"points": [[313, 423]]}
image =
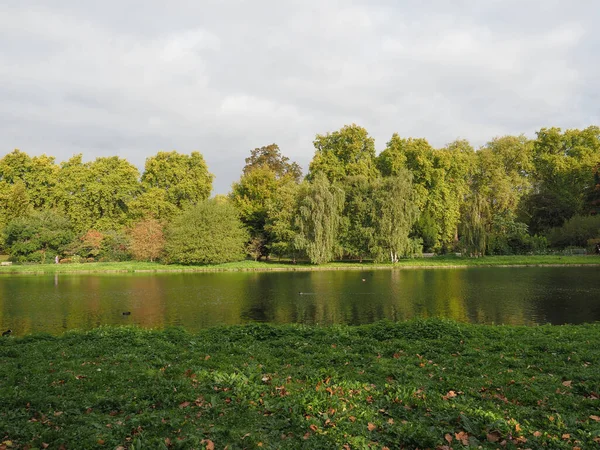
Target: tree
{"points": [[185, 178], [396, 203], [152, 203], [270, 156], [38, 175], [347, 152], [319, 211], [564, 165], [357, 234], [208, 233], [96, 195], [38, 237], [147, 240], [279, 225]]}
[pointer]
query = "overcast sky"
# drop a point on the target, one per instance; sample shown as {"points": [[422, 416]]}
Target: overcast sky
{"points": [[130, 78]]}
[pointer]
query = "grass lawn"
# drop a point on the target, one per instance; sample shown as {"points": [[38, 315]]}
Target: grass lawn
{"points": [[438, 261], [418, 384]]}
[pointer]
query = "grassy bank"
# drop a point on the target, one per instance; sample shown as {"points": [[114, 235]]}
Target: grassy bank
{"points": [[439, 261], [419, 384]]}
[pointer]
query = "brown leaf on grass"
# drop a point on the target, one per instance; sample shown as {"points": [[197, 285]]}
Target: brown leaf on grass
{"points": [[567, 383], [450, 394], [462, 437], [45, 445], [206, 358], [596, 418], [100, 441], [57, 413], [313, 427], [352, 419], [391, 421], [371, 426], [448, 438], [494, 436], [184, 405], [168, 442], [210, 445], [537, 433], [566, 436]]}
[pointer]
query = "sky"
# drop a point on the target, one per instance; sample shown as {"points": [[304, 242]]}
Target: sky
{"points": [[131, 77]]}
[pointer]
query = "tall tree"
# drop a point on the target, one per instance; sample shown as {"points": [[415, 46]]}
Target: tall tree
{"points": [[357, 231], [270, 156], [347, 152], [96, 195], [564, 164], [185, 178], [396, 203], [320, 207]]}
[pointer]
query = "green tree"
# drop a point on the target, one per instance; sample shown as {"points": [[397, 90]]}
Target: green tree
{"points": [[152, 203], [185, 178], [397, 211], [38, 237], [319, 209], [270, 156], [38, 174], [208, 233], [279, 225], [96, 195], [564, 165], [357, 230], [347, 152]]}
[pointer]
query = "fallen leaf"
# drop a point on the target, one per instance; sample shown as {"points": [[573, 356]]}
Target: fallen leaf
{"points": [[566, 436], [100, 441], [493, 436], [206, 358], [537, 434], [45, 445], [352, 419], [371, 426], [462, 437], [184, 405], [450, 394], [391, 421], [596, 418], [567, 383], [448, 438], [210, 445]]}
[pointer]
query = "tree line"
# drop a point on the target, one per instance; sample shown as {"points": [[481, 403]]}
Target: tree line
{"points": [[513, 195]]}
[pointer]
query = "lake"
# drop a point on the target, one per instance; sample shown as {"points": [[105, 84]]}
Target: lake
{"points": [[492, 295]]}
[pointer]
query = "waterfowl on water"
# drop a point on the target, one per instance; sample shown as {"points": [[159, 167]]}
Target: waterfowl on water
{"points": [[7, 333], [127, 313]]}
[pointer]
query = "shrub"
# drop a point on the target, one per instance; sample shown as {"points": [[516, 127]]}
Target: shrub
{"points": [[147, 240], [575, 232], [208, 233]]}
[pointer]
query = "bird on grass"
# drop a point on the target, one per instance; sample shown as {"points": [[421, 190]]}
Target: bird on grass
{"points": [[127, 313], [7, 333]]}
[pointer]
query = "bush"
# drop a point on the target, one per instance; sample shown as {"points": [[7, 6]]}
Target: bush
{"points": [[38, 237], [575, 232], [208, 233]]}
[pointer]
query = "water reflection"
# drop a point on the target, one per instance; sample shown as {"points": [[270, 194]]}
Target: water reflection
{"points": [[482, 295]]}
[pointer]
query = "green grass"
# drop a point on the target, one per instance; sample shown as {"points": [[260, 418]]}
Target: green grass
{"points": [[439, 261], [420, 384]]}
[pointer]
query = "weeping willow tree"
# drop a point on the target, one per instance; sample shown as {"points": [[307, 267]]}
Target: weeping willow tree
{"points": [[319, 211], [473, 225], [396, 210]]}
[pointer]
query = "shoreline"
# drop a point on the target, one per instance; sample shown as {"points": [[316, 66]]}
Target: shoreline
{"points": [[253, 266]]}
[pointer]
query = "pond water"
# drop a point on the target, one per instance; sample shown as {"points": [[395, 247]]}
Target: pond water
{"points": [[524, 295]]}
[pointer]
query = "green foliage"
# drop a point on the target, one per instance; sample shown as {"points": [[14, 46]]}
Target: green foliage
{"points": [[185, 178], [415, 384], [208, 233], [395, 201], [38, 237], [357, 230], [575, 232], [270, 156], [564, 174], [319, 211], [347, 152], [96, 195]]}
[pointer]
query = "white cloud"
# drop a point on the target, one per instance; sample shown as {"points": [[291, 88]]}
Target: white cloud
{"points": [[224, 77]]}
